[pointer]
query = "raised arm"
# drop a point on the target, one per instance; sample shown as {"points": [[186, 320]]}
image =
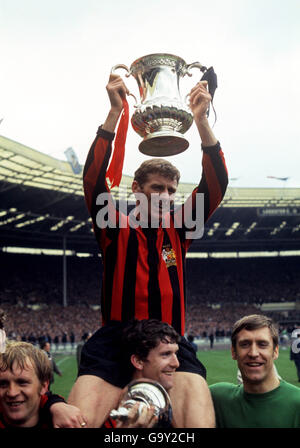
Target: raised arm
{"points": [[94, 173], [117, 91], [199, 103], [214, 177]]}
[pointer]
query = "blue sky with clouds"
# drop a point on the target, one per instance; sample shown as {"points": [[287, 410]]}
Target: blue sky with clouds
{"points": [[56, 57]]}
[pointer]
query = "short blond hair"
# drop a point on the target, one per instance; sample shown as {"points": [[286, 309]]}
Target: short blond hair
{"points": [[19, 353]]}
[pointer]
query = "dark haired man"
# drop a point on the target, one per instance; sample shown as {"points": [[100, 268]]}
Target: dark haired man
{"points": [[144, 264], [263, 400], [152, 348]]}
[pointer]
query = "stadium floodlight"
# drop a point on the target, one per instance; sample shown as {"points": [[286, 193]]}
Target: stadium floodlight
{"points": [[232, 229], [78, 226], [12, 219], [279, 228], [31, 221], [250, 228]]}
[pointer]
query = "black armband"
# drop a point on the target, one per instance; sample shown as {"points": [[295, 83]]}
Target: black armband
{"points": [[216, 147], [105, 134]]}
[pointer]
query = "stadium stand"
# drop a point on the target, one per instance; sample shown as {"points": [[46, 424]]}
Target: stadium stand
{"points": [[42, 203], [225, 290], [42, 207]]}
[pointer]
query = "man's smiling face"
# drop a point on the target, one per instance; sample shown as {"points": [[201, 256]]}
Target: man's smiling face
{"points": [[255, 354], [20, 395], [159, 193], [161, 364]]}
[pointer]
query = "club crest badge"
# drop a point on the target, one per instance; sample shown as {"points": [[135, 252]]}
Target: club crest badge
{"points": [[169, 256]]}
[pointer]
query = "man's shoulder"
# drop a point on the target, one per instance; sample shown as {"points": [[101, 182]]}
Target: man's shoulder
{"points": [[225, 394], [223, 387], [294, 390]]}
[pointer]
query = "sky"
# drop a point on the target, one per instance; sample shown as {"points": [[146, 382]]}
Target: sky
{"points": [[56, 57]]}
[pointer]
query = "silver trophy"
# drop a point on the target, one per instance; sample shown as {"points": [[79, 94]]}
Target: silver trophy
{"points": [[147, 393], [162, 116]]}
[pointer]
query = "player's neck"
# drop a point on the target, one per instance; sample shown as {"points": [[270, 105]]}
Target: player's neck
{"points": [[262, 387]]}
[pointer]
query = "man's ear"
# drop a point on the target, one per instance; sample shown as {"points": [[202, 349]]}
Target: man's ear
{"points": [[44, 387], [135, 187], [137, 362], [233, 353], [276, 352]]}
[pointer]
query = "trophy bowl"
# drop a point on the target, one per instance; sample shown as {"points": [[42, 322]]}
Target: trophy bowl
{"points": [[147, 393], [162, 116]]}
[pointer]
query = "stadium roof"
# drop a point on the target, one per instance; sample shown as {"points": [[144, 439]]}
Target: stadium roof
{"points": [[42, 202]]}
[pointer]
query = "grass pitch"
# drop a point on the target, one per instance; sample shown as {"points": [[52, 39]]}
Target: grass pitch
{"points": [[218, 363]]}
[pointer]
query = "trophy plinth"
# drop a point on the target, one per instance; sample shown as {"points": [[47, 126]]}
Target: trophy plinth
{"points": [[163, 143]]}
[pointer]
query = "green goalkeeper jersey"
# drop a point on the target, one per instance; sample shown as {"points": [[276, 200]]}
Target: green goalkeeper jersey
{"points": [[235, 408]]}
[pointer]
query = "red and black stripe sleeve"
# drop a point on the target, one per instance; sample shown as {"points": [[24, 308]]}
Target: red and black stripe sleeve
{"points": [[214, 179], [95, 167], [212, 186]]}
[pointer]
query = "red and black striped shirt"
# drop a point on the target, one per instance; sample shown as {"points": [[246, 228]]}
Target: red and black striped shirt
{"points": [[144, 269]]}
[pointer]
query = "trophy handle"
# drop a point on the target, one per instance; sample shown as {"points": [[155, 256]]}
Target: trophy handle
{"points": [[209, 76], [195, 65], [116, 67], [187, 72]]}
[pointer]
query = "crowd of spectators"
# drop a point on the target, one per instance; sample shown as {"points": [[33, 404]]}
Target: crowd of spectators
{"points": [[61, 325], [31, 279], [203, 320], [54, 323], [244, 280], [219, 292]]}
